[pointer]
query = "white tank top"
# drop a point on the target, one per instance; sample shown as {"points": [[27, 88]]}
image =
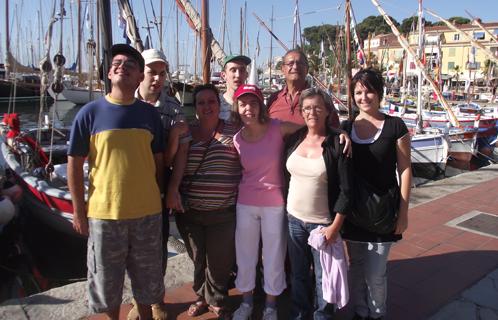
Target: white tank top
{"points": [[307, 199]]}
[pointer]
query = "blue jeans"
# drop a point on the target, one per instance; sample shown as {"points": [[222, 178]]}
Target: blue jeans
{"points": [[368, 278], [305, 299]]}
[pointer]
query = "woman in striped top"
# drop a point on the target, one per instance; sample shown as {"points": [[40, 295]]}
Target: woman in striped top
{"points": [[208, 176]]}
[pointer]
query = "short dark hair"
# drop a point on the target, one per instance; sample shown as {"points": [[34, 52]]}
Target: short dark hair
{"points": [[312, 92], [202, 87], [371, 79], [298, 51]]}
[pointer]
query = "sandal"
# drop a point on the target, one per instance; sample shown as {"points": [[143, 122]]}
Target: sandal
{"points": [[220, 313], [197, 308]]}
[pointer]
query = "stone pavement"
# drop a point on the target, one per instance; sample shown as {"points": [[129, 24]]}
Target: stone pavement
{"points": [[438, 271]]}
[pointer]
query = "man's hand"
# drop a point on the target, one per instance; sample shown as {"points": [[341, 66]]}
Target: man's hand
{"points": [[80, 225]]}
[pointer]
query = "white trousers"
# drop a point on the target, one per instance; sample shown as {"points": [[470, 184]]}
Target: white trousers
{"points": [[269, 223]]}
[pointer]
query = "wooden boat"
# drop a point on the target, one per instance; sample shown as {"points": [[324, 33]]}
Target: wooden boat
{"points": [[38, 166], [429, 153]]}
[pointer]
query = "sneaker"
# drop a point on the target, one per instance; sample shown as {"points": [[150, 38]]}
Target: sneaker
{"points": [[244, 312], [270, 314]]}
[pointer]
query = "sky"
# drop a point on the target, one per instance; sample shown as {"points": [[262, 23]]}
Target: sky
{"points": [[24, 16]]}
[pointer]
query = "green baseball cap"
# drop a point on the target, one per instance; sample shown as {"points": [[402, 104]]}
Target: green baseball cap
{"points": [[233, 57]]}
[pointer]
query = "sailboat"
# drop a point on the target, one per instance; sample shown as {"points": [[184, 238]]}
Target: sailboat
{"points": [[37, 158], [19, 81]]}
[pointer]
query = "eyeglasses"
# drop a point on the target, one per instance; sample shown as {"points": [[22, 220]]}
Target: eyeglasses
{"points": [[297, 63], [308, 109], [129, 64]]}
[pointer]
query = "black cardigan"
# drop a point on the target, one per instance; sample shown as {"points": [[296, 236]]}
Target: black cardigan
{"points": [[337, 165]]}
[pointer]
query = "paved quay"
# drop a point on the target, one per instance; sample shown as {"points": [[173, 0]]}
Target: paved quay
{"points": [[442, 269]]}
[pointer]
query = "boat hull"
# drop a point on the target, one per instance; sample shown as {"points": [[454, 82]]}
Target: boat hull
{"points": [[429, 153]]}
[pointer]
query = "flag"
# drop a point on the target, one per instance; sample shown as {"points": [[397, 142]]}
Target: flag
{"points": [[257, 46], [295, 14], [123, 25], [147, 43], [360, 57], [322, 50], [87, 17]]}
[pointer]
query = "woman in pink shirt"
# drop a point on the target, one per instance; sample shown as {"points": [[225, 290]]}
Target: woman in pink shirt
{"points": [[260, 203]]}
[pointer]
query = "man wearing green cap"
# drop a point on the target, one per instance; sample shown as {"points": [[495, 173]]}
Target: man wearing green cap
{"points": [[234, 73]]}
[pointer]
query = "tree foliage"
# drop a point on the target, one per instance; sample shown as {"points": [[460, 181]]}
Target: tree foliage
{"points": [[374, 25], [314, 35], [454, 20], [410, 24]]}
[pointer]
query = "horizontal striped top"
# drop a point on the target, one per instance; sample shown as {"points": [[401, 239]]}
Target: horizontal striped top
{"points": [[215, 184]]}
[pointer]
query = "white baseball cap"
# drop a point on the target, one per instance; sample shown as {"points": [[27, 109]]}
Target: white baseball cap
{"points": [[154, 55]]}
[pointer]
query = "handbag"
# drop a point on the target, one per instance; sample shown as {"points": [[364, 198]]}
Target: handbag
{"points": [[372, 209]]}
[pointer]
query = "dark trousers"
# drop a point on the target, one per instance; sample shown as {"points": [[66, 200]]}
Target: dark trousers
{"points": [[210, 241]]}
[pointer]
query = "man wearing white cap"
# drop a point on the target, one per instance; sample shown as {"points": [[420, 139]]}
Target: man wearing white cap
{"points": [[153, 91]]}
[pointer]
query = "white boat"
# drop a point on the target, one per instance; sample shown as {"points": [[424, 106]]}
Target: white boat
{"points": [[429, 153], [81, 95]]}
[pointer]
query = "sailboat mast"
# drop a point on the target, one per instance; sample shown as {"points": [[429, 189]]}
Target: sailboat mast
{"points": [[7, 40], [348, 59], [106, 29], [177, 44], [419, 72], [161, 26], [271, 48], [206, 47], [78, 56]]}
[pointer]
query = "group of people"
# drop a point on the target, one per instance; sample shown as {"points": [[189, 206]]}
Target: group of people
{"points": [[249, 183]]}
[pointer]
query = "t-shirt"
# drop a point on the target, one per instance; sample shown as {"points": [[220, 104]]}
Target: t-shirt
{"points": [[376, 162], [170, 112], [119, 141], [262, 175], [225, 109], [217, 172]]}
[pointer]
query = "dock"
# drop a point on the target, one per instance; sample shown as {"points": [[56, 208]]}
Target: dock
{"points": [[446, 266]]}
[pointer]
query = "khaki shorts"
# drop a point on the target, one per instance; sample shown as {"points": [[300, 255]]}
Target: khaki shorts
{"points": [[116, 246]]}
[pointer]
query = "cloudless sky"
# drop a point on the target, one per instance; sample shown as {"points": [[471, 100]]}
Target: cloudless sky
{"points": [[313, 12]]}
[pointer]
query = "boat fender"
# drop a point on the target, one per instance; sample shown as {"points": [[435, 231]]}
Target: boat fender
{"points": [[7, 210], [13, 191]]}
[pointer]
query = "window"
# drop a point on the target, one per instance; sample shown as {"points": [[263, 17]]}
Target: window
{"points": [[495, 32], [451, 65], [479, 35], [452, 52], [473, 65], [456, 37]]}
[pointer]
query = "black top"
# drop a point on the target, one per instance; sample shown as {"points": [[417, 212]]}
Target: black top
{"points": [[337, 165], [376, 163]]}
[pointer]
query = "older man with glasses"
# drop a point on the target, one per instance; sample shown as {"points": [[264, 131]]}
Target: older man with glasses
{"points": [[283, 104]]}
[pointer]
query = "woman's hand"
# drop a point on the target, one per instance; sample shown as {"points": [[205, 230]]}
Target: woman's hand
{"points": [[402, 223], [174, 201], [330, 234], [344, 139]]}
